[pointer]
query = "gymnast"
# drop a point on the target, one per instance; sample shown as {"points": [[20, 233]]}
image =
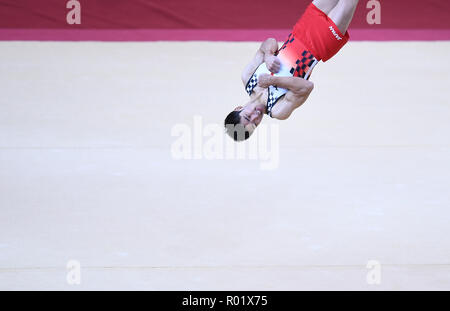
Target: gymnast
{"points": [[277, 79]]}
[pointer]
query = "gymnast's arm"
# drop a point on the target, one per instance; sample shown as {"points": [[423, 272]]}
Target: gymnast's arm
{"points": [[299, 90], [265, 53]]}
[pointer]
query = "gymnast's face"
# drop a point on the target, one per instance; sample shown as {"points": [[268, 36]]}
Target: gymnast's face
{"points": [[251, 115]]}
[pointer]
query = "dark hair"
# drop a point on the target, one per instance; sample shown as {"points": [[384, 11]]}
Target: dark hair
{"points": [[234, 128]]}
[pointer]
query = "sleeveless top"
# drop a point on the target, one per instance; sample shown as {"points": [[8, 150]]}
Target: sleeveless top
{"points": [[296, 61]]}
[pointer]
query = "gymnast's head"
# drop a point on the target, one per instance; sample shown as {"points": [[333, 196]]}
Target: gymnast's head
{"points": [[243, 120]]}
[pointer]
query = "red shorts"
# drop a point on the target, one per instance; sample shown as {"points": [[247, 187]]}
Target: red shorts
{"points": [[319, 33]]}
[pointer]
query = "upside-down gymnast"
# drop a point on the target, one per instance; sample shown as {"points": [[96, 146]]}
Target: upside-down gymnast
{"points": [[277, 79]]}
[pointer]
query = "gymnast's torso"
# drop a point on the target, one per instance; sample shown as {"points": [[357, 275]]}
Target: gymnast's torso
{"points": [[296, 61]]}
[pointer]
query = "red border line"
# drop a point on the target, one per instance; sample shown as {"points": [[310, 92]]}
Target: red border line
{"points": [[209, 34]]}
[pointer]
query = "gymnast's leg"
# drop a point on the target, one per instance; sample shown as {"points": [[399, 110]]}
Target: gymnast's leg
{"points": [[325, 5], [342, 13]]}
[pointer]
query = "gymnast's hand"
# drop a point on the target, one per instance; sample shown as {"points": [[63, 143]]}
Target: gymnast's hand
{"points": [[272, 63], [264, 80]]}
